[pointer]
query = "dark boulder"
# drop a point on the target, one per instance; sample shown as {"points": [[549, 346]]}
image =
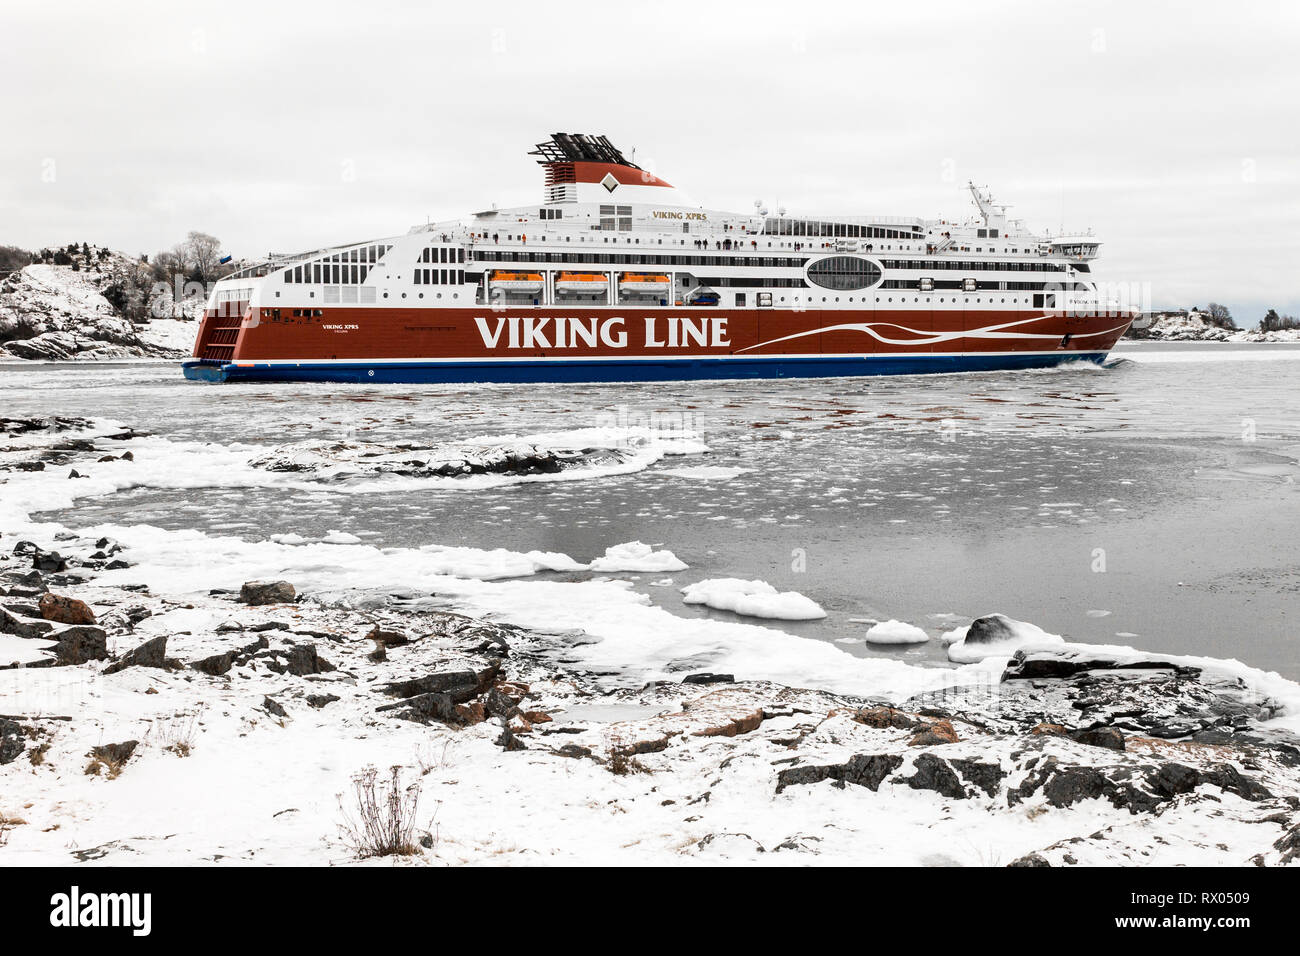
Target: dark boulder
{"points": [[273, 707], [79, 644], [1107, 737], [861, 770], [461, 686], [267, 592], [11, 623], [152, 653], [216, 665], [707, 678], [1030, 859], [12, 740], [934, 773]]}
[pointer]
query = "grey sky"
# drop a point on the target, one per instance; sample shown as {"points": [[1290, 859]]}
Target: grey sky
{"points": [[1171, 129]]}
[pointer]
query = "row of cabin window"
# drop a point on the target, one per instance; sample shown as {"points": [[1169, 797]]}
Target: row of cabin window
{"points": [[439, 276], [981, 285], [545, 213], [608, 258], [846, 230], [442, 254], [333, 273], [968, 265]]}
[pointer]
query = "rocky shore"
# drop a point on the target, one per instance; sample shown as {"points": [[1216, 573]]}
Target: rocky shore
{"points": [[144, 724], [55, 313]]}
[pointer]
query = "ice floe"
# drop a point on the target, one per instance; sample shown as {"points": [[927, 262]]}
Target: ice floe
{"points": [[752, 599]]}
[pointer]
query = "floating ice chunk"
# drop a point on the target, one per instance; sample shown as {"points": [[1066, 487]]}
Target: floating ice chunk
{"points": [[895, 632], [289, 538], [340, 537], [752, 599], [996, 635], [635, 556]]}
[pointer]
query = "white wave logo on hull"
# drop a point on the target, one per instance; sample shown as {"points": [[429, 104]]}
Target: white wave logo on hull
{"points": [[931, 338]]}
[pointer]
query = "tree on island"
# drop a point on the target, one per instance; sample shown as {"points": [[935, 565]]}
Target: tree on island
{"points": [[1218, 315], [1272, 322]]}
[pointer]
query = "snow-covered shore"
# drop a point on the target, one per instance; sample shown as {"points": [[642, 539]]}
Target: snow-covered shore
{"points": [[560, 718], [56, 313]]}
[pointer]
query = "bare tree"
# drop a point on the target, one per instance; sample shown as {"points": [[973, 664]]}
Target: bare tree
{"points": [[203, 252], [1220, 316]]}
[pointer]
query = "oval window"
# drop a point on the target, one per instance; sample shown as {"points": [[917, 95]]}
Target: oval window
{"points": [[844, 273]]}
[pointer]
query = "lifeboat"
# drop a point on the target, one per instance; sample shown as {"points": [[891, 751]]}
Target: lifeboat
{"points": [[590, 283], [517, 281], [641, 283]]}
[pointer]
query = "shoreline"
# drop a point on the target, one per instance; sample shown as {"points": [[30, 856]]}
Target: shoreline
{"points": [[698, 758]]}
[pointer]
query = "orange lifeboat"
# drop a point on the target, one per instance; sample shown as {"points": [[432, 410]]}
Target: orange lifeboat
{"points": [[590, 283], [516, 281], [640, 283]]}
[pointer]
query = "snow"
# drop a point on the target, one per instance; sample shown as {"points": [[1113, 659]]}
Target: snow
{"points": [[18, 650], [895, 632], [266, 790], [635, 556], [752, 599]]}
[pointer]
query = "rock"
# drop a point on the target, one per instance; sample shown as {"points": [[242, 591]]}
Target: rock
{"points": [[934, 773], [50, 561], [1030, 859], [885, 718], [1288, 844], [12, 740], [503, 699], [707, 678], [992, 629], [273, 707], [1054, 730], [267, 592], [509, 741], [425, 707], [861, 770], [11, 623], [1107, 737], [986, 776], [299, 660], [461, 686], [536, 716], [79, 643], [216, 665], [935, 733], [152, 653], [1043, 665], [321, 700], [65, 610], [387, 638], [114, 755]]}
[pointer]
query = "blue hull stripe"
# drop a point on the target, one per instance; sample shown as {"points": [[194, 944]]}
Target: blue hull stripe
{"points": [[625, 370]]}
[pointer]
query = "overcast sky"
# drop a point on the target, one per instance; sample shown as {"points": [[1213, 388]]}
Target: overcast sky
{"points": [[1170, 129]]}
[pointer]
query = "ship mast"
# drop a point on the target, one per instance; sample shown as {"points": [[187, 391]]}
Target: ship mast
{"points": [[993, 213]]}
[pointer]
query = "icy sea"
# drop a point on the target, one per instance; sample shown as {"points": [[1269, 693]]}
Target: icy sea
{"points": [[1149, 503]]}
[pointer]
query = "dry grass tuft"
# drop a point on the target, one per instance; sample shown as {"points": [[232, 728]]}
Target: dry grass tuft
{"points": [[382, 821], [619, 758]]}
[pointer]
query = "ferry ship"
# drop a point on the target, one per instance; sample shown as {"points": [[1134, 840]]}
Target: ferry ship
{"points": [[617, 276]]}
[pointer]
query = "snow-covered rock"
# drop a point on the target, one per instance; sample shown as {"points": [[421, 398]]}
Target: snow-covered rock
{"points": [[996, 635], [57, 313]]}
